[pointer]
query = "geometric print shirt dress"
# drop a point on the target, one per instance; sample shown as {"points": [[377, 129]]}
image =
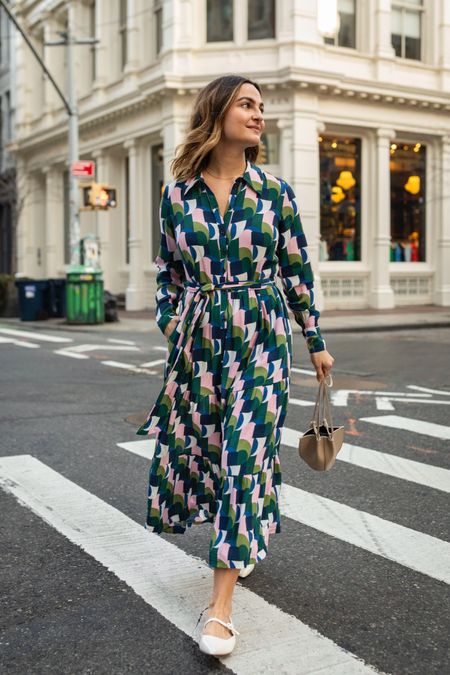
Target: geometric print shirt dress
{"points": [[217, 420]]}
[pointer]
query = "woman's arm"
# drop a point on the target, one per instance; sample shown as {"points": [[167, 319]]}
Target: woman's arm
{"points": [[296, 272], [170, 275]]}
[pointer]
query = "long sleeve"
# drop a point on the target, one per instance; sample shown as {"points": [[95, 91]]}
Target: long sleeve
{"points": [[170, 275], [296, 272]]}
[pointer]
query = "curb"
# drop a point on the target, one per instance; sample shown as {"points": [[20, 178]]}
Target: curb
{"points": [[92, 328]]}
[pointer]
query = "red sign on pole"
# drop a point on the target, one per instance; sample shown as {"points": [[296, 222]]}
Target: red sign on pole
{"points": [[85, 169]]}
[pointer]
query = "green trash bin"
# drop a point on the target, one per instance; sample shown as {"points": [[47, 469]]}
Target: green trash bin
{"points": [[84, 296]]}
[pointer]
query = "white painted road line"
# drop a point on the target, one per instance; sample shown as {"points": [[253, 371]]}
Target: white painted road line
{"points": [[150, 364], [405, 469], [18, 343], [31, 335], [121, 342], [304, 371], [405, 546], [339, 397], [299, 401], [128, 366], [415, 550], [410, 400], [411, 424], [92, 348], [144, 449], [439, 392], [71, 354], [176, 584]]}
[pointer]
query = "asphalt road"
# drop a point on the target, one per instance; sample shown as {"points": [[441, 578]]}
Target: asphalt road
{"points": [[362, 558]]}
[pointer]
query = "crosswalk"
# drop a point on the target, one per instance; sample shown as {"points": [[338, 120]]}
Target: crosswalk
{"points": [[403, 545], [177, 584]]}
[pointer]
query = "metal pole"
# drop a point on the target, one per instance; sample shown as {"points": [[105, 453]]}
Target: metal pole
{"points": [[35, 53], [73, 145]]}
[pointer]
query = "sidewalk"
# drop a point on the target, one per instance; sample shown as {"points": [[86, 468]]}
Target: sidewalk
{"points": [[331, 321]]}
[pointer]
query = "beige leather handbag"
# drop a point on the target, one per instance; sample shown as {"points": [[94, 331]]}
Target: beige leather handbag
{"points": [[320, 444]]}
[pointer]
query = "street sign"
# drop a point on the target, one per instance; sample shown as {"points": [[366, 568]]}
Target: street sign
{"points": [[83, 168]]}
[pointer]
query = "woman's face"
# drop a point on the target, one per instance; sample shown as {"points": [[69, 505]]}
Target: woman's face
{"points": [[244, 121]]}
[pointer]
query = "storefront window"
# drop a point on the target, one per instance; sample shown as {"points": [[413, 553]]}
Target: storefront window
{"points": [[219, 20], [269, 145], [407, 167], [340, 198]]}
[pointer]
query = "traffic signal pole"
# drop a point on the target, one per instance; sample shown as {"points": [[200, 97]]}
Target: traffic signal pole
{"points": [[68, 40]]}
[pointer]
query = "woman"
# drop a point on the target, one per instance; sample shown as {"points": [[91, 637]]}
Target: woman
{"points": [[227, 229]]}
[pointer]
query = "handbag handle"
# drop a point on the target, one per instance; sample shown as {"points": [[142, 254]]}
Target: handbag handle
{"points": [[323, 404]]}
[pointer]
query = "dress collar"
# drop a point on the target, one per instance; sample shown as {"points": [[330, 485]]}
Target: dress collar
{"points": [[253, 176]]}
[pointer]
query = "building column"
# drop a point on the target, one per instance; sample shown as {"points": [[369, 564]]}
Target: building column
{"points": [[23, 217], [304, 21], [133, 37], [174, 113], [383, 44], [103, 34], [54, 221], [381, 293], [444, 56], [285, 127], [305, 179], [442, 285], [135, 293]]}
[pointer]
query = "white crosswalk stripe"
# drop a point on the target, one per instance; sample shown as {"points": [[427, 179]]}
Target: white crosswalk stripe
{"points": [[176, 584], [383, 462], [403, 545], [410, 424]]}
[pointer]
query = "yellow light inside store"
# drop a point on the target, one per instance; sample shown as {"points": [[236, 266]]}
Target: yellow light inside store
{"points": [[346, 180], [412, 185], [337, 194]]}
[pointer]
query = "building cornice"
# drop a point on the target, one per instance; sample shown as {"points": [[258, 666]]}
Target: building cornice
{"points": [[285, 82]]}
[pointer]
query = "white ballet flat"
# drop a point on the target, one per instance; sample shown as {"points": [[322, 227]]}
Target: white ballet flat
{"points": [[246, 571], [216, 646]]}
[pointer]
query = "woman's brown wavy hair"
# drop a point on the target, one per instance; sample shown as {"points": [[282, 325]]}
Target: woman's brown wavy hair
{"points": [[206, 125]]}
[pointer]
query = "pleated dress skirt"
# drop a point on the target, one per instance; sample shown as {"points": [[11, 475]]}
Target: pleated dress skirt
{"points": [[218, 419]]}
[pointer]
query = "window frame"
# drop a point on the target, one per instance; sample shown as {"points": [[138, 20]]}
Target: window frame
{"points": [[359, 11], [258, 41], [406, 6]]}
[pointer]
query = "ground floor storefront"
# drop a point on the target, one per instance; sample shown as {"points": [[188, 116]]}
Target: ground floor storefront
{"points": [[374, 201]]}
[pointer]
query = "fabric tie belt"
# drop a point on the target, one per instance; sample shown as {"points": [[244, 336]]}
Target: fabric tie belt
{"points": [[201, 293]]}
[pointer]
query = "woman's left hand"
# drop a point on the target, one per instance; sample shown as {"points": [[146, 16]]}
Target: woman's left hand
{"points": [[322, 362]]}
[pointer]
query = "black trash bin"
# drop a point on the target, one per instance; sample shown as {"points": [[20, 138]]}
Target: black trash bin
{"points": [[56, 298], [32, 299], [110, 304]]}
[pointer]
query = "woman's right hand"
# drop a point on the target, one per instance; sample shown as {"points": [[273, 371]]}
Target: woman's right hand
{"points": [[171, 326]]}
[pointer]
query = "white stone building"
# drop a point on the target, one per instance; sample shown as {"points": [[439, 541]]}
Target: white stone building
{"points": [[359, 125]]}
